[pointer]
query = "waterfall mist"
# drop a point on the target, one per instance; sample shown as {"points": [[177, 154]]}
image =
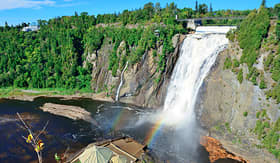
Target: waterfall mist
{"points": [[178, 135], [171, 132]]}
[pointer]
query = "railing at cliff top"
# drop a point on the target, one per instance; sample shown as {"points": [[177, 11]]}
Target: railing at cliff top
{"points": [[212, 18]]}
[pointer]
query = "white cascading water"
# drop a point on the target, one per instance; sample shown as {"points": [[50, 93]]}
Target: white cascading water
{"points": [[198, 53], [121, 83]]}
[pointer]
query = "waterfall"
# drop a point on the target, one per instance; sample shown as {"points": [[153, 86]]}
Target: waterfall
{"points": [[198, 53], [121, 83]]}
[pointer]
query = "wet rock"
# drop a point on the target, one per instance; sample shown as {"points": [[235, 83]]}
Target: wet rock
{"points": [[72, 112], [217, 151]]}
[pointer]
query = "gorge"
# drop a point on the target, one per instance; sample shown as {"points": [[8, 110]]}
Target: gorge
{"points": [[145, 75]]}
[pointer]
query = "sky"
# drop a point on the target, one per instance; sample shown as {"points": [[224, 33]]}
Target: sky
{"points": [[17, 11]]}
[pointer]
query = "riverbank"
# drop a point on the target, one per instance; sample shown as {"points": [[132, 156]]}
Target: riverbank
{"points": [[31, 94]]}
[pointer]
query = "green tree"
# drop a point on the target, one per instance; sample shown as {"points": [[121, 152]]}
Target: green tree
{"points": [[240, 76], [263, 3], [196, 6], [203, 8]]}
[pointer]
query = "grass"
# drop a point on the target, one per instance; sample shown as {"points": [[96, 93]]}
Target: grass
{"points": [[228, 127], [11, 91]]}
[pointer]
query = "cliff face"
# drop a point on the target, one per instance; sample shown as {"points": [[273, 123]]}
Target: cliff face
{"points": [[228, 109], [142, 85]]}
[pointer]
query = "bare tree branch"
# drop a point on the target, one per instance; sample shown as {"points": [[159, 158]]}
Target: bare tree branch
{"points": [[33, 141], [28, 129], [66, 151], [44, 128]]}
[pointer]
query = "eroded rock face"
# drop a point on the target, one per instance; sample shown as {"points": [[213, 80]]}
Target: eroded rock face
{"points": [[217, 151], [139, 80], [102, 78], [140, 85], [223, 104]]}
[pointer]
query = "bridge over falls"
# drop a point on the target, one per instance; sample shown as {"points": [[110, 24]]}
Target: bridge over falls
{"points": [[194, 22]]}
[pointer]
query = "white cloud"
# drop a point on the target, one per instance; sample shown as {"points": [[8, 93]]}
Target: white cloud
{"points": [[12, 4]]}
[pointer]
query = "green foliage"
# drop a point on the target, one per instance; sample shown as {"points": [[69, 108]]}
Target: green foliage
{"points": [[263, 3], [93, 39], [259, 129], [251, 33], [263, 113], [240, 76], [49, 58], [228, 127], [276, 69], [231, 35], [258, 114], [275, 93], [253, 74], [235, 63], [245, 114], [56, 56], [262, 83], [227, 63], [277, 30], [268, 61], [269, 135]]}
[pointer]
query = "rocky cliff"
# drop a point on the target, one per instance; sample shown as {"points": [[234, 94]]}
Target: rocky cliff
{"points": [[229, 110], [142, 85]]}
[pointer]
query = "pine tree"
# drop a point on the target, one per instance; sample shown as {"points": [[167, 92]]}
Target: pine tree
{"points": [[263, 3], [196, 6], [211, 9]]}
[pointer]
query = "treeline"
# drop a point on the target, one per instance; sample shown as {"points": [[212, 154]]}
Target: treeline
{"points": [[155, 14], [49, 58], [56, 55]]}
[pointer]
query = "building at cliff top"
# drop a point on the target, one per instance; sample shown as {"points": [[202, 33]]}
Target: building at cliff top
{"points": [[31, 28]]}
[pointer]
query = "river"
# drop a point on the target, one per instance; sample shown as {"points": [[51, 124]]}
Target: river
{"points": [[114, 120], [172, 133]]}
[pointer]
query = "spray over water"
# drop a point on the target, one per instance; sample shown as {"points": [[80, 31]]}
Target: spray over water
{"points": [[172, 133], [175, 131]]}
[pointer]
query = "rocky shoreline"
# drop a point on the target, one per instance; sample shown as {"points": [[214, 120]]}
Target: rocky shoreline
{"points": [[25, 97]]}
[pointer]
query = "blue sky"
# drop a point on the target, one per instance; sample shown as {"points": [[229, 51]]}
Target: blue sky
{"points": [[18, 11]]}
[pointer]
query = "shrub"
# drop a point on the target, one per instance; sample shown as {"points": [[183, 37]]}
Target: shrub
{"points": [[268, 61], [227, 63], [245, 114], [231, 35], [240, 76], [228, 127], [251, 33], [276, 69], [258, 114], [235, 63], [262, 83]]}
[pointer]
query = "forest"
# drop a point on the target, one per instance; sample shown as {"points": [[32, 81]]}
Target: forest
{"points": [[55, 55]]}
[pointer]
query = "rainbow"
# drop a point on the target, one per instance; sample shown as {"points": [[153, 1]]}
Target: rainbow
{"points": [[117, 119], [154, 131]]}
